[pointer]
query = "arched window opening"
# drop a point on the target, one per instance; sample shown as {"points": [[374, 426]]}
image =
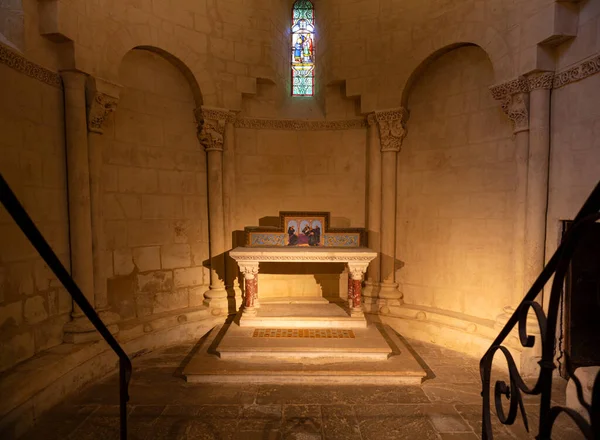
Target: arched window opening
{"points": [[303, 48]]}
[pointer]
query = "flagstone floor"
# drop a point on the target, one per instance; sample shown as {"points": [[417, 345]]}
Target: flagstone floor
{"points": [[447, 405]]}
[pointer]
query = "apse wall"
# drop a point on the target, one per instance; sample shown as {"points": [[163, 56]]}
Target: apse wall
{"points": [[574, 157], [287, 170], [155, 200], [33, 304], [456, 191]]}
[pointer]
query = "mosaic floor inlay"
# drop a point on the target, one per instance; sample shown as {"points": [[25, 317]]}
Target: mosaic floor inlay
{"points": [[303, 333]]}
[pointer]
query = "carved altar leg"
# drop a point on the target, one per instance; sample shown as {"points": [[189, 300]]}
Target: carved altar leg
{"points": [[357, 270], [250, 271]]}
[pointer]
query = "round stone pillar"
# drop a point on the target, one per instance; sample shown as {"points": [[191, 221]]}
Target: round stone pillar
{"points": [[537, 175], [78, 182], [211, 131], [392, 131], [371, 291]]}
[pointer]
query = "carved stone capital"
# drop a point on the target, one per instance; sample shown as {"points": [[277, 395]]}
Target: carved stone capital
{"points": [[392, 128], [357, 270], [211, 124], [516, 108], [249, 269], [371, 119], [102, 98], [517, 85]]}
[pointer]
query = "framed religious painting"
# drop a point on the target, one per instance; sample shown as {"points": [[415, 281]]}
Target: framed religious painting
{"points": [[304, 229]]}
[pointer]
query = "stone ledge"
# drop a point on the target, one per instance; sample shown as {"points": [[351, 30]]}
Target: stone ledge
{"points": [[467, 334], [36, 385]]}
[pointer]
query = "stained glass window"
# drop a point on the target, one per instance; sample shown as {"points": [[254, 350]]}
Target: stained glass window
{"points": [[303, 61]]}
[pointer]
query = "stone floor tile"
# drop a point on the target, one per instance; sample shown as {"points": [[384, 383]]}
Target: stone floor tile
{"points": [[445, 418], [281, 394], [393, 422], [458, 436], [302, 422], [438, 391], [456, 374], [339, 423], [260, 422], [60, 422]]}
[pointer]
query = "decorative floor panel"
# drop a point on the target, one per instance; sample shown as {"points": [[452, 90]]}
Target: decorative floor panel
{"points": [[326, 333]]}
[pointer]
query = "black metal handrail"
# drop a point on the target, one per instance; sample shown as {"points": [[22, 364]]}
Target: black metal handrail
{"points": [[24, 222], [557, 267]]}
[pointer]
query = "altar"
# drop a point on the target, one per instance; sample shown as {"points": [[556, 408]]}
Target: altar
{"points": [[303, 237], [356, 259]]}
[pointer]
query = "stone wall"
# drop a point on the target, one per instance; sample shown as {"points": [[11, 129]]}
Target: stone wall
{"points": [[33, 304], [285, 170], [155, 201], [456, 189], [575, 157], [12, 23]]}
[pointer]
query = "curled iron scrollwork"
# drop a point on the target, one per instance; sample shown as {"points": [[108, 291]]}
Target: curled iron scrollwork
{"points": [[556, 269]]}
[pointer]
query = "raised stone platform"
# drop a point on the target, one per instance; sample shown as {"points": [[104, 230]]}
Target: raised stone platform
{"points": [[323, 315], [374, 356]]}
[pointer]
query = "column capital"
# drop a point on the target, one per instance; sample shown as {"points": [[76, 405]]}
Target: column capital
{"points": [[102, 98], [357, 270], [249, 269], [392, 127], [211, 123], [516, 108]]}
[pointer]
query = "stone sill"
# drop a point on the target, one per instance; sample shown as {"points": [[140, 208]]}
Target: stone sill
{"points": [[37, 384]]}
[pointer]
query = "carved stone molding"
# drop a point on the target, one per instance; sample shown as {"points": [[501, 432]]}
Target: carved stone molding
{"points": [[299, 124], [516, 107], [371, 119], [576, 73], [211, 123], [392, 128], [517, 85], [541, 80], [99, 108], [22, 65]]}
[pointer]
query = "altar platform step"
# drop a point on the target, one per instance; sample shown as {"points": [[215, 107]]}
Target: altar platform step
{"points": [[306, 360], [325, 345], [322, 315], [295, 300]]}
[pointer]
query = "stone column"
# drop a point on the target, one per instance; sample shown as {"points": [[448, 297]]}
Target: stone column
{"points": [[516, 107], [355, 274], [372, 283], [102, 98], [250, 272], [211, 131], [80, 225], [231, 267], [537, 174], [392, 130]]}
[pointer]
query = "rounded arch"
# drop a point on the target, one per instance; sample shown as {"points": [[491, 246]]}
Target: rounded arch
{"points": [[190, 63], [485, 38]]}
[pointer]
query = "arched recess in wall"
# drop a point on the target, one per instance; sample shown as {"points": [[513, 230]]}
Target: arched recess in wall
{"points": [[456, 188], [182, 54], [156, 218], [12, 24]]}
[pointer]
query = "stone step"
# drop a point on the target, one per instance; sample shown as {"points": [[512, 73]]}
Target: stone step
{"points": [[398, 367], [289, 345]]}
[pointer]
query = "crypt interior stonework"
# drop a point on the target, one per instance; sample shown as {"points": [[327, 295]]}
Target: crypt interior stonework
{"points": [[144, 136]]}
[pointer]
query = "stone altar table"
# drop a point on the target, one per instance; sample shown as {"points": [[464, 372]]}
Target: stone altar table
{"points": [[248, 259]]}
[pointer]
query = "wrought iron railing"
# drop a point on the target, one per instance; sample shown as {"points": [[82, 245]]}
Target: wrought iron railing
{"points": [[557, 268], [24, 222]]}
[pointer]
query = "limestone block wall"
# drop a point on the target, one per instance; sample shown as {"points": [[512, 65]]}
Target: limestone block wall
{"points": [[286, 170], [12, 23], [155, 200], [575, 153], [456, 190], [33, 304]]}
